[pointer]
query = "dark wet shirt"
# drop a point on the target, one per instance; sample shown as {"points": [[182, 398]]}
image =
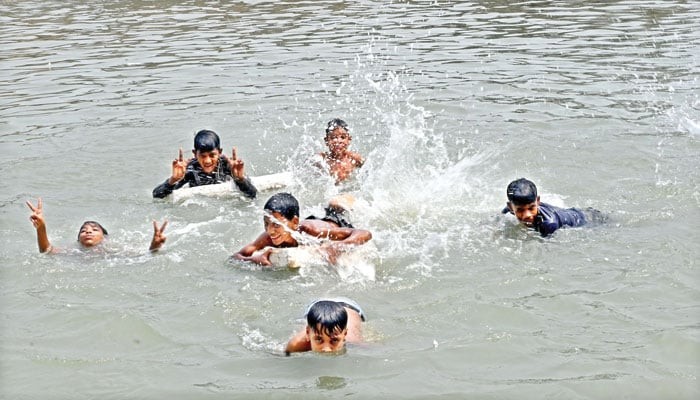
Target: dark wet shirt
{"points": [[550, 218], [196, 177]]}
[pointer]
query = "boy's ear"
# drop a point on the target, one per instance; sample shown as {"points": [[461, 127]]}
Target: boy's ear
{"points": [[294, 222], [308, 333], [538, 200], [510, 206], [194, 152]]}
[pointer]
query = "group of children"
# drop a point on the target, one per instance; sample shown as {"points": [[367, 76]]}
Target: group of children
{"points": [[330, 322]]}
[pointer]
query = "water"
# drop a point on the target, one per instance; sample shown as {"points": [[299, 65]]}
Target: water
{"points": [[596, 101]]}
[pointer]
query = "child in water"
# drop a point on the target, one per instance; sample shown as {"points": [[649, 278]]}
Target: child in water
{"points": [[209, 166], [330, 324], [282, 229], [340, 161], [524, 203], [90, 235]]}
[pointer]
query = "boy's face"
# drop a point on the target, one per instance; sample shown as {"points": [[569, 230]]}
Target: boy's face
{"points": [[208, 160], [90, 235], [280, 228], [525, 213], [338, 140], [322, 342]]}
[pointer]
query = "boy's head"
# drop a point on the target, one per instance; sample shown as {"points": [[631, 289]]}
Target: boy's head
{"points": [[207, 149], [91, 233], [523, 200], [327, 326], [281, 218], [337, 135]]}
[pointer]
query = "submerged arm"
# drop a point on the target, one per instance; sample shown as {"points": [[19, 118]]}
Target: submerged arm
{"points": [[300, 342]]}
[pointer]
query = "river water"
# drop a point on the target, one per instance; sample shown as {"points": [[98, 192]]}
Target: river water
{"points": [[596, 101]]}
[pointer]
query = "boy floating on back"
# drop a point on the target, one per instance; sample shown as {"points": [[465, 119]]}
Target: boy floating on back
{"points": [[283, 229], [209, 166], [524, 203]]}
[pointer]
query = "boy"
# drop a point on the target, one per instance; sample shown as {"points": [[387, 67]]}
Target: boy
{"points": [[91, 233], [524, 203], [330, 324], [209, 166], [283, 229], [341, 162]]}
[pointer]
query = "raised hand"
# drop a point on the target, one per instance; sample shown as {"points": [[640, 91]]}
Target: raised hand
{"points": [[37, 216], [179, 168], [236, 164], [158, 236]]}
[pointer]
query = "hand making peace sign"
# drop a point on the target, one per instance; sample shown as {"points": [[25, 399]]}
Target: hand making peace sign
{"points": [[179, 168], [158, 237], [236, 164]]}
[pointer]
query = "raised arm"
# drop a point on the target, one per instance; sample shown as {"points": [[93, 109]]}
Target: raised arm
{"points": [[37, 219], [158, 236], [179, 168], [243, 183]]}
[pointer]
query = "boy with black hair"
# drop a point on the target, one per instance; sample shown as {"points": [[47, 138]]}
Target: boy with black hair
{"points": [[524, 203], [209, 166], [91, 233], [340, 161], [330, 324], [283, 229]]}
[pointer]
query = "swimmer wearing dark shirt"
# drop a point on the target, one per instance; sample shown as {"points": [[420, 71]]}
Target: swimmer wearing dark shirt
{"points": [[195, 176], [209, 166], [524, 203]]}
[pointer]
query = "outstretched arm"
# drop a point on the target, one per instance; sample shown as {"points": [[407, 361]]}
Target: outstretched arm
{"points": [[158, 236], [250, 252], [340, 238], [323, 230], [37, 219]]}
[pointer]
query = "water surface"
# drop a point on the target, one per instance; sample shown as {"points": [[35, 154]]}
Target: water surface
{"points": [[596, 101]]}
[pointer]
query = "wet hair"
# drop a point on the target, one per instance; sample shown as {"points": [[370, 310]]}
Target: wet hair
{"points": [[336, 123], [93, 224], [521, 191], [328, 316], [206, 140], [283, 203]]}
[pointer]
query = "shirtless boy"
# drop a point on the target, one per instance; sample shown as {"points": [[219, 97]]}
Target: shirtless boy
{"points": [[339, 160], [283, 229]]}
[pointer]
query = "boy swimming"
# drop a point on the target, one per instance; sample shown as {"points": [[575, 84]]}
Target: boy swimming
{"points": [[330, 324], [283, 229], [524, 203], [209, 166], [91, 233], [340, 161]]}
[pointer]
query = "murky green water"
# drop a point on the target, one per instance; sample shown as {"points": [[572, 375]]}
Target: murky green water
{"points": [[596, 101]]}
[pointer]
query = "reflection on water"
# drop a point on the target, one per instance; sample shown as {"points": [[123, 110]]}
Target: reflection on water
{"points": [[595, 101]]}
